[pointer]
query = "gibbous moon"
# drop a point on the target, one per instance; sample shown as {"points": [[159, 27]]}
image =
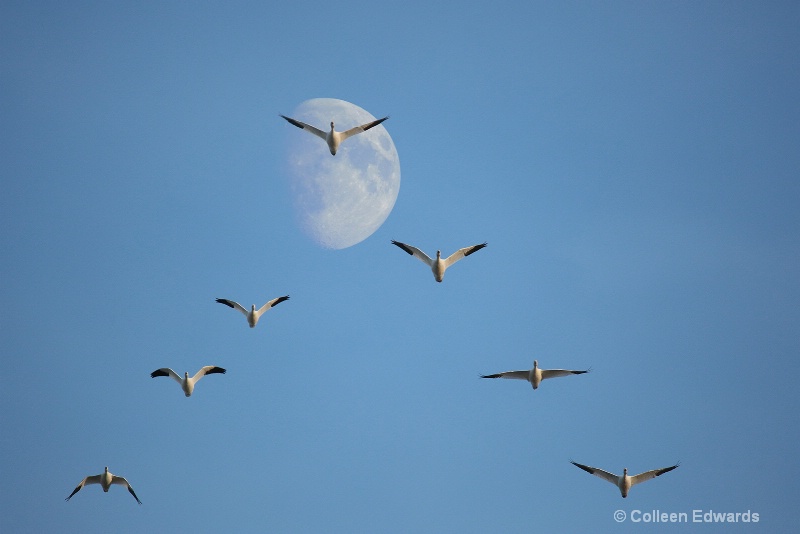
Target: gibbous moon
{"points": [[341, 200]]}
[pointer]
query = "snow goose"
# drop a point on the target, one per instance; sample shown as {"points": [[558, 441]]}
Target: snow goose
{"points": [[334, 138], [438, 266], [536, 375], [187, 384], [252, 314], [105, 479], [625, 482]]}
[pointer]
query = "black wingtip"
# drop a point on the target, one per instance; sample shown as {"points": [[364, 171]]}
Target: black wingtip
{"points": [[225, 302], [375, 123], [292, 121], [585, 468], [476, 248], [158, 372], [279, 300], [403, 246], [667, 469]]}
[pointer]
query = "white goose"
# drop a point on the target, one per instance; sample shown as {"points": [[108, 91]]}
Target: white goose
{"points": [[536, 375], [187, 384], [439, 265], [252, 314], [334, 138], [105, 479], [625, 482]]}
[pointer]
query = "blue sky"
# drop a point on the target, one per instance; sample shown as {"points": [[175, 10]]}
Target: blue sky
{"points": [[632, 165]]}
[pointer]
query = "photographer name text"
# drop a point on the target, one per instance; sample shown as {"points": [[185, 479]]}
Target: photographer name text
{"points": [[695, 516]]}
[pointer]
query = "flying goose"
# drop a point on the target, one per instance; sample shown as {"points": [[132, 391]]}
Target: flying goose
{"points": [[187, 384], [438, 266], [625, 482], [105, 479], [536, 375], [253, 315], [334, 138]]}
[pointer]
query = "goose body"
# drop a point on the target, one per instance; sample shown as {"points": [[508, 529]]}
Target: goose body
{"points": [[187, 384], [334, 138], [105, 479], [536, 375], [625, 482], [439, 265], [253, 315]]}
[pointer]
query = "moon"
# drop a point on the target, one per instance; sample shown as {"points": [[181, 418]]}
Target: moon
{"points": [[341, 200]]}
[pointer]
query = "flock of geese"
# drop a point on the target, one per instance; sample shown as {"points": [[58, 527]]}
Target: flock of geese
{"points": [[438, 267]]}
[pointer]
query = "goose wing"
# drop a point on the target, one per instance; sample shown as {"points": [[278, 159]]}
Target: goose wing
{"points": [[414, 251], [519, 375], [554, 373], [94, 479], [358, 129], [647, 475], [307, 127], [166, 371], [605, 475], [234, 305], [271, 303], [462, 253], [208, 370], [122, 482]]}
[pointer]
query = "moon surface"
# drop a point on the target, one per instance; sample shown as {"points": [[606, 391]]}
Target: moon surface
{"points": [[341, 200]]}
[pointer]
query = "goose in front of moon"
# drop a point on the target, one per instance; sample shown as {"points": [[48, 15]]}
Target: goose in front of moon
{"points": [[340, 201], [334, 138]]}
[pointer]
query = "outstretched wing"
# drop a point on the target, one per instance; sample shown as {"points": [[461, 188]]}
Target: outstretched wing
{"points": [[554, 373], [271, 303], [605, 475], [358, 129], [94, 479], [462, 253], [208, 370], [307, 127], [165, 371], [122, 482], [234, 305], [414, 251], [647, 475], [518, 375]]}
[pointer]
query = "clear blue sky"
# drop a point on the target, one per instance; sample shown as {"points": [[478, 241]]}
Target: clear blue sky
{"points": [[633, 166]]}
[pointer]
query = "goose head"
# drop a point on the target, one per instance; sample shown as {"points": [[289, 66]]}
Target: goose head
{"points": [[186, 375], [331, 125], [438, 254], [253, 308], [535, 364]]}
